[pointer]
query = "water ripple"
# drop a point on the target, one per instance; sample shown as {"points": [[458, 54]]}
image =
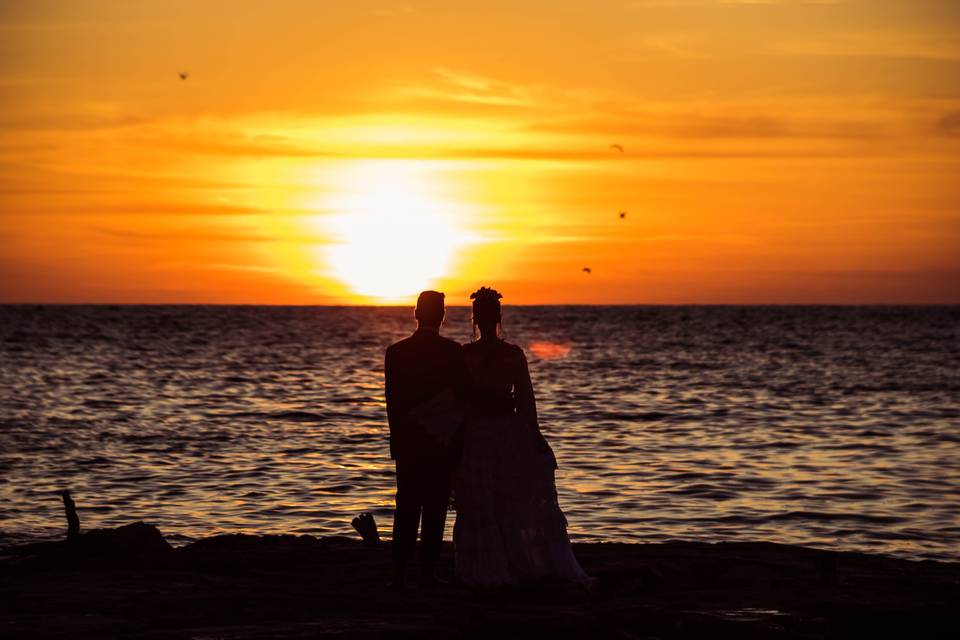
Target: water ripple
{"points": [[832, 427]]}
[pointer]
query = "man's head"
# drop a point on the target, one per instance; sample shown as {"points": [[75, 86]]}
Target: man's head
{"points": [[430, 310]]}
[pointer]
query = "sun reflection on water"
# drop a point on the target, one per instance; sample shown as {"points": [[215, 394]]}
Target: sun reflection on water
{"points": [[549, 350]]}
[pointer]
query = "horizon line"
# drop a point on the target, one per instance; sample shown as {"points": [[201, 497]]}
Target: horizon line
{"points": [[467, 306]]}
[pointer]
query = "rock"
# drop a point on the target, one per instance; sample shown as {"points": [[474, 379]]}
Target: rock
{"points": [[137, 541]]}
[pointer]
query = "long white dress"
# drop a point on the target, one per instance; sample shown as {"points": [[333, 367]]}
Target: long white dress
{"points": [[509, 526]]}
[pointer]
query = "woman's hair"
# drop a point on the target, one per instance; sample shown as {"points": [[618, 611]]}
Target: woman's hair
{"points": [[486, 304]]}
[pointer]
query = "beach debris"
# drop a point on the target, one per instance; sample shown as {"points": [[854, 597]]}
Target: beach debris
{"points": [[366, 526], [137, 542], [617, 147], [587, 270], [309, 587], [73, 519], [183, 75]]}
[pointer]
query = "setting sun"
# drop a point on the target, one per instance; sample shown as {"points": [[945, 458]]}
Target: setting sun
{"points": [[392, 234], [494, 289], [782, 151]]}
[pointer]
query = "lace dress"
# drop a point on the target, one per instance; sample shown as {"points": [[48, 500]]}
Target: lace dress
{"points": [[509, 525]]}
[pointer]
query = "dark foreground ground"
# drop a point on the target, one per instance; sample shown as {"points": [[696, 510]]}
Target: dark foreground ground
{"points": [[128, 583]]}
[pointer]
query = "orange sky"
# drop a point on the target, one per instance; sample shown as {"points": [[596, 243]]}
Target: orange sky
{"points": [[355, 152]]}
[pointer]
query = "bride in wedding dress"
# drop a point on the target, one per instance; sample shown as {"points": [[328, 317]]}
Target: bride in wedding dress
{"points": [[509, 526]]}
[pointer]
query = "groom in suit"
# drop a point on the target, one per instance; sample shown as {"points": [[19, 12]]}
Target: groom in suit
{"points": [[418, 370]]}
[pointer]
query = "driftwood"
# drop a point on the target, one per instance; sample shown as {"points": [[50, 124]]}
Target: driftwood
{"points": [[73, 519], [364, 523], [135, 544]]}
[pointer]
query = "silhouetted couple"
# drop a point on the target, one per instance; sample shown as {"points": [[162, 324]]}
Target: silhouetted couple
{"points": [[463, 420]]}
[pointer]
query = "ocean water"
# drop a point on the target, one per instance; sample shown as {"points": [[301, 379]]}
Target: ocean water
{"points": [[836, 427]]}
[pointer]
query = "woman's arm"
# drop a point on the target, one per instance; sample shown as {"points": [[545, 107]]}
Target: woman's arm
{"points": [[527, 408], [523, 391]]}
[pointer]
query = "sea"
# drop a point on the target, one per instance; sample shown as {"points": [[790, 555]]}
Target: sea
{"points": [[836, 427]]}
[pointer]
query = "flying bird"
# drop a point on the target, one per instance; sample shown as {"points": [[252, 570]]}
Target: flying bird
{"points": [[618, 147], [587, 270], [183, 75], [623, 214]]}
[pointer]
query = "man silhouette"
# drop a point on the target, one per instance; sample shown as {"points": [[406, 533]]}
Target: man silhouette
{"points": [[418, 370]]}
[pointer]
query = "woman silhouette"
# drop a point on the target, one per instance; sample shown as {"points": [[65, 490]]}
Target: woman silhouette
{"points": [[509, 525]]}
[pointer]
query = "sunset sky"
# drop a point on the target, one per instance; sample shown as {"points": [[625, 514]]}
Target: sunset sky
{"points": [[356, 152]]}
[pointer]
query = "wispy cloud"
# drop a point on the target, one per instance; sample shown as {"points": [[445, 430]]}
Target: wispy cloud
{"points": [[134, 209], [91, 116], [460, 86], [203, 234], [47, 26], [238, 144], [727, 3], [871, 43], [394, 10], [704, 124], [949, 125]]}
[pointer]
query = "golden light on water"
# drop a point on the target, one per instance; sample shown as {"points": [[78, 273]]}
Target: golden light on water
{"points": [[549, 350]]}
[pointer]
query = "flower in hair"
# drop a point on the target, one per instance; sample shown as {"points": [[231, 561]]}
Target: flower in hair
{"points": [[486, 294]]}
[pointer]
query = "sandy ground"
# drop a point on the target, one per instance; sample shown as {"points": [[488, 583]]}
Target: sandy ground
{"points": [[128, 583]]}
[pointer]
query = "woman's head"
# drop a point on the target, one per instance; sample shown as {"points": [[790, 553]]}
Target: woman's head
{"points": [[486, 310]]}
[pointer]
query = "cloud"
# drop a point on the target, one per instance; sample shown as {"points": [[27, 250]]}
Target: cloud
{"points": [[394, 10], [31, 81], [46, 26], [645, 152], [135, 209], [244, 267], [237, 145], [465, 87], [872, 43], [949, 125], [89, 117], [704, 125], [191, 234], [728, 3], [47, 191]]}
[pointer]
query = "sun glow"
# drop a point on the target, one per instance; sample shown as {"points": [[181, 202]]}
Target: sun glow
{"points": [[392, 232]]}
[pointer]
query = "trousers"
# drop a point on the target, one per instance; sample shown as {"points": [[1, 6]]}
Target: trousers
{"points": [[423, 491]]}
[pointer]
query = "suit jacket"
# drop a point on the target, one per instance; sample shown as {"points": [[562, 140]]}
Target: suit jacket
{"points": [[417, 369]]}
